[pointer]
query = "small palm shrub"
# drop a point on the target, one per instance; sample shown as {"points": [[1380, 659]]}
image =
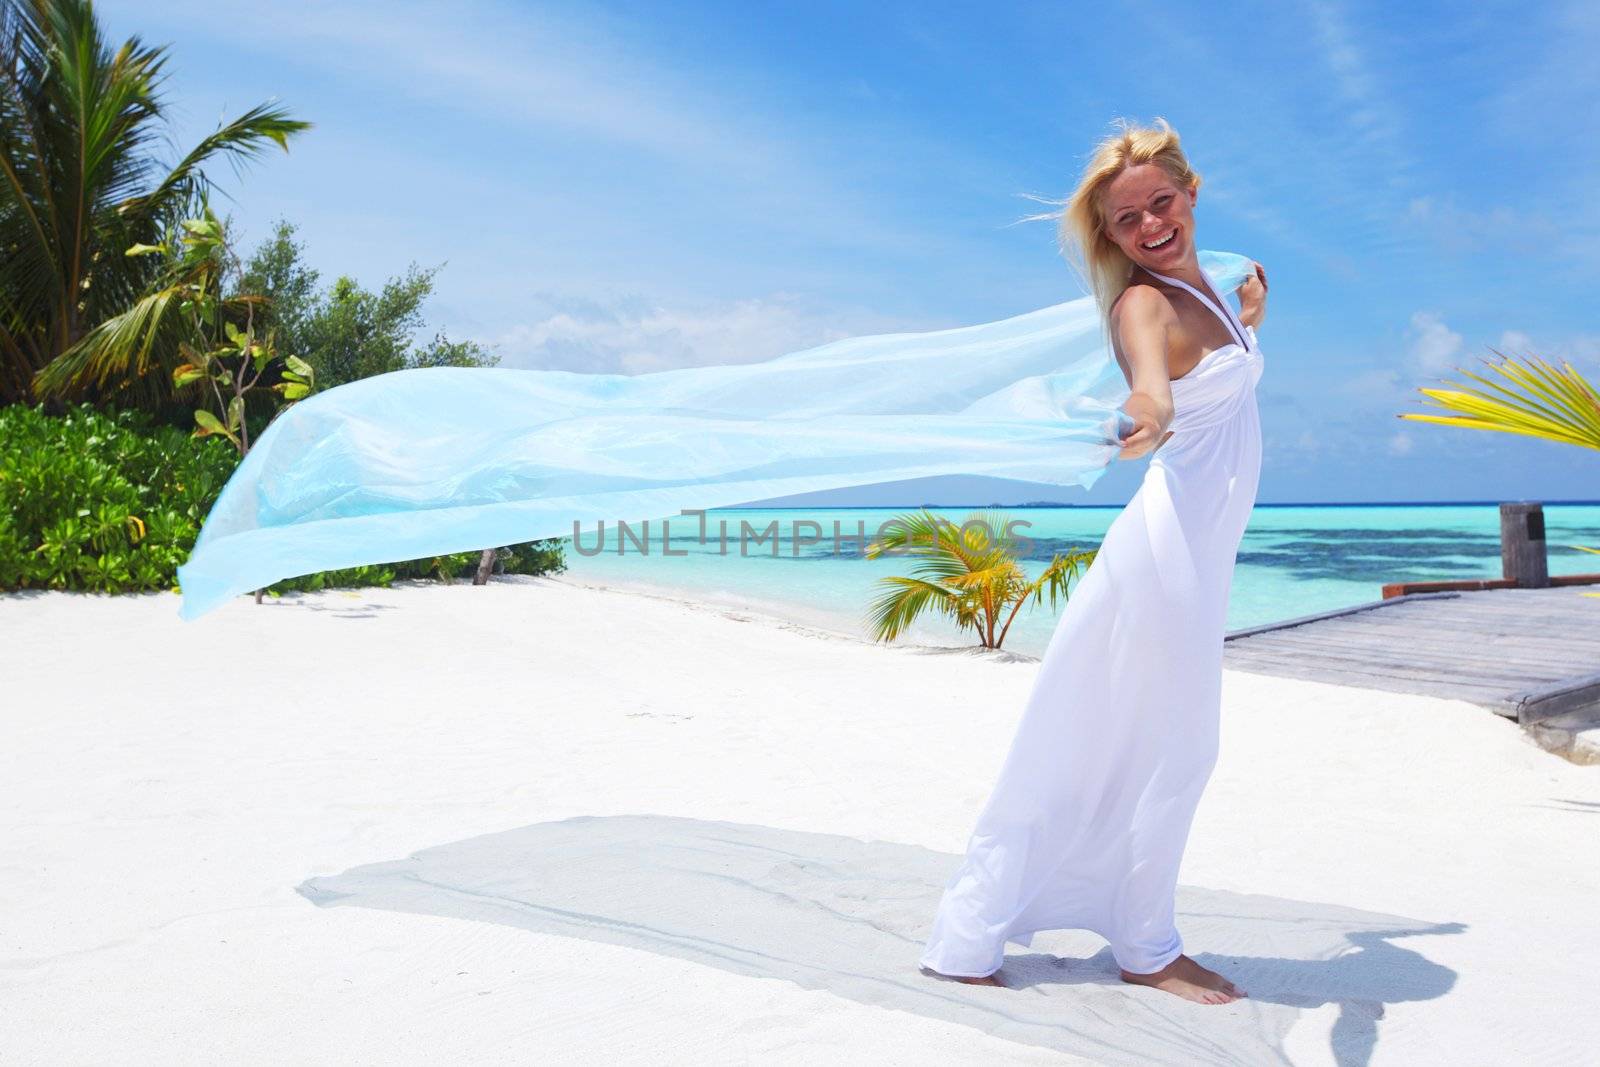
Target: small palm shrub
{"points": [[970, 574]]}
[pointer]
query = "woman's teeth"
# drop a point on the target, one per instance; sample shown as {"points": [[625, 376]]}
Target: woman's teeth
{"points": [[1153, 245]]}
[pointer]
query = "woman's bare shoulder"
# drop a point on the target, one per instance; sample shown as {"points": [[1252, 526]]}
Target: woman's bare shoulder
{"points": [[1142, 304]]}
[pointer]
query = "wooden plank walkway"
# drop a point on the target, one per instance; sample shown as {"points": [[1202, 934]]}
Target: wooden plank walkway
{"points": [[1530, 654]]}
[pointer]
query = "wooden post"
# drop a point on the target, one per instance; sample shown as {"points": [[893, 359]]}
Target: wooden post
{"points": [[485, 567], [1522, 548]]}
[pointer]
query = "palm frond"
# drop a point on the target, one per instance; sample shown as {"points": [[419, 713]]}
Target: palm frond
{"points": [[991, 574], [120, 344], [80, 182], [893, 612], [1541, 401], [245, 137]]}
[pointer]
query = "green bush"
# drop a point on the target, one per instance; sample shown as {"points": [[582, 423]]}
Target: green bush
{"points": [[112, 503], [103, 502]]}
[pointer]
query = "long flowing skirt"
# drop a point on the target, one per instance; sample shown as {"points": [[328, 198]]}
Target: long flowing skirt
{"points": [[1087, 824]]}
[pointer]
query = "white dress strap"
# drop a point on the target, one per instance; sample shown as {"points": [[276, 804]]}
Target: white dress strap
{"points": [[1225, 313]]}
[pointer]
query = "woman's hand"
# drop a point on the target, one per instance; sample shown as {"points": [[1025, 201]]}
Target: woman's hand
{"points": [[1253, 298], [1142, 438]]}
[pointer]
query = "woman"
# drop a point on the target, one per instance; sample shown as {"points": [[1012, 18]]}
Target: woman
{"points": [[1087, 823]]}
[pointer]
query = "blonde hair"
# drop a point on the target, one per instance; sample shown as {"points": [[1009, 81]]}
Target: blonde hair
{"points": [[1095, 258]]}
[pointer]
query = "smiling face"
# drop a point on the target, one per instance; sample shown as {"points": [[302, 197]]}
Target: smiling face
{"points": [[1150, 217]]}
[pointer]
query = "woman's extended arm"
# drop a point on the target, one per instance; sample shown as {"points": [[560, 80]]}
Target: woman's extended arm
{"points": [[1144, 320]]}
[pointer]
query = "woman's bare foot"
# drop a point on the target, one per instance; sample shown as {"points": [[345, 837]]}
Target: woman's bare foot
{"points": [[1190, 981], [988, 979]]}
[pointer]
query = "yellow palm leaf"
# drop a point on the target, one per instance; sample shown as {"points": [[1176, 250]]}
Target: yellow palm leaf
{"points": [[1537, 399]]}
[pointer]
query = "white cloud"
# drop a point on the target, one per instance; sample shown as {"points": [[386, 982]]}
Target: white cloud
{"points": [[1435, 347], [1401, 444], [1371, 114], [1515, 343], [1497, 228], [1379, 385], [1292, 447], [547, 79], [1581, 350], [630, 335], [540, 68]]}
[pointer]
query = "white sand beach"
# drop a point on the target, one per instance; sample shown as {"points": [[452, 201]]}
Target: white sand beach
{"points": [[540, 823]]}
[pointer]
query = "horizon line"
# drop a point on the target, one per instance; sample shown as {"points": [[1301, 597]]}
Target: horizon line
{"points": [[1259, 504]]}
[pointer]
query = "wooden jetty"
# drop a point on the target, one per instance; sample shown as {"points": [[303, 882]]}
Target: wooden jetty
{"points": [[1529, 654], [1526, 646]]}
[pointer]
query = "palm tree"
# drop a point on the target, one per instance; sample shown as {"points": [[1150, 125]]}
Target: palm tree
{"points": [[968, 573], [79, 187], [1540, 401]]}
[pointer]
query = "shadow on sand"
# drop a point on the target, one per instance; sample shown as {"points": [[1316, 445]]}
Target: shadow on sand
{"points": [[849, 917]]}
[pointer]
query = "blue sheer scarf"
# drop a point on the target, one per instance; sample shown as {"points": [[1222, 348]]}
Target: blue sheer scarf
{"points": [[430, 461]]}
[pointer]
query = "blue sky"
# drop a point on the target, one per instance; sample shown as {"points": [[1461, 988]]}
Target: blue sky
{"points": [[629, 187]]}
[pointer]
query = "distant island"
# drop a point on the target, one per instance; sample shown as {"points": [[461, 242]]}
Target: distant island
{"points": [[1029, 504]]}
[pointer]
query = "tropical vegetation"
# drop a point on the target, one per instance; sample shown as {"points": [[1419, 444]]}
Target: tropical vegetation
{"points": [[112, 502], [80, 184], [345, 332], [127, 318], [969, 573], [224, 349]]}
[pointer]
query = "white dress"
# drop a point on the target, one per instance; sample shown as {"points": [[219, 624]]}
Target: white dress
{"points": [[1087, 824]]}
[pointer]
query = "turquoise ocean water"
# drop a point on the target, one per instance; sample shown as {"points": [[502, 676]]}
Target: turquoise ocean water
{"points": [[1294, 560]]}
